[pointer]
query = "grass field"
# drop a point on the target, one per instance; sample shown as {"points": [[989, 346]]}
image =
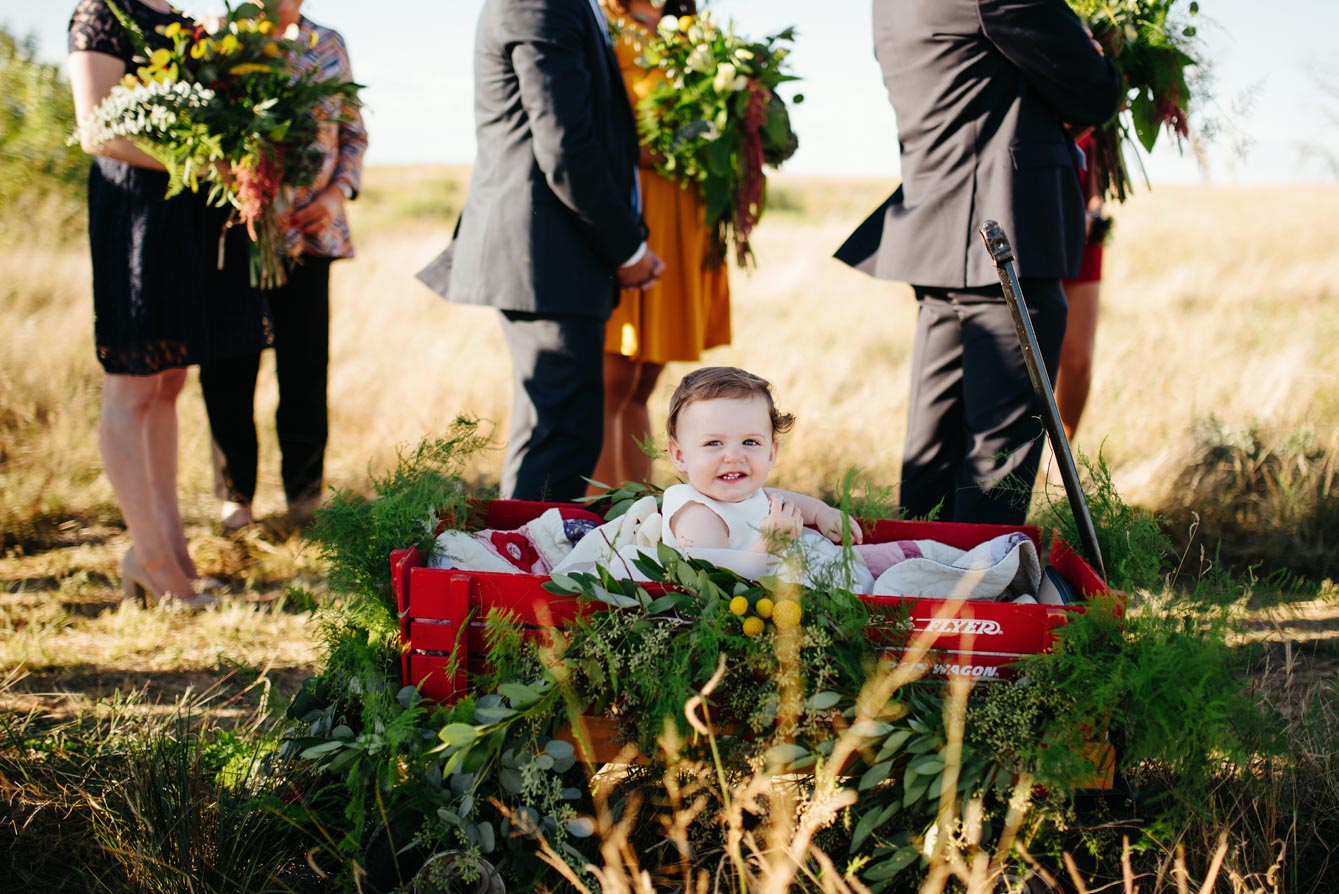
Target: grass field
{"points": [[1216, 396]]}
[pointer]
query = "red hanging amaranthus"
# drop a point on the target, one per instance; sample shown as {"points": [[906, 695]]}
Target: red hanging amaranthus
{"points": [[748, 207]]}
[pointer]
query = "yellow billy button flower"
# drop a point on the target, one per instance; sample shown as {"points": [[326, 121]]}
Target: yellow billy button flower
{"points": [[753, 625], [265, 26], [739, 606], [786, 615], [229, 45], [764, 607], [685, 22], [271, 49]]}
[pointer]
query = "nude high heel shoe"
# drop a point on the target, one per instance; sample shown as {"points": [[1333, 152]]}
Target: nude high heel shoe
{"points": [[136, 586]]}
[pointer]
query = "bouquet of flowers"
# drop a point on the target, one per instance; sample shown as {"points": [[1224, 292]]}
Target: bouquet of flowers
{"points": [[1153, 43], [224, 107], [716, 119]]}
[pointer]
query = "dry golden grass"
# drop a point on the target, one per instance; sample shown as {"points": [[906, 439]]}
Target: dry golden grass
{"points": [[1217, 301]]}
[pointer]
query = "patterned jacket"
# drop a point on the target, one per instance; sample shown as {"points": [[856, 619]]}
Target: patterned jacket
{"points": [[342, 138]]}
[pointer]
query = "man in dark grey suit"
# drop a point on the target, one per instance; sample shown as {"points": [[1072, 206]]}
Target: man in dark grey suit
{"points": [[550, 229], [983, 91]]}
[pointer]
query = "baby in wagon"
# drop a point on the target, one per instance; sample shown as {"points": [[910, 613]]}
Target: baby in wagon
{"points": [[723, 437], [724, 431]]}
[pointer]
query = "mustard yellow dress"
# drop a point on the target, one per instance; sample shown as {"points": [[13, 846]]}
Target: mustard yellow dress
{"points": [[688, 311]]}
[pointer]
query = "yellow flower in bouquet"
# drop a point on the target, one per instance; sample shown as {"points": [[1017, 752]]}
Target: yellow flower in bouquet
{"points": [[224, 98]]}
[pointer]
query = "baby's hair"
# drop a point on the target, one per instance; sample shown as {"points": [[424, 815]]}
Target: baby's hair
{"points": [[712, 382]]}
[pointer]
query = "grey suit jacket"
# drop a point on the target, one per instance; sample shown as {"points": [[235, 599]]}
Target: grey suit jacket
{"points": [[982, 90], [549, 216]]}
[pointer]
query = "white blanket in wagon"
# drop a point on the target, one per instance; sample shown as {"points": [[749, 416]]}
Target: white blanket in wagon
{"points": [[565, 541]]}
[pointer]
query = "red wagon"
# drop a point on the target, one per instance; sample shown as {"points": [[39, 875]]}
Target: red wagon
{"points": [[442, 611]]}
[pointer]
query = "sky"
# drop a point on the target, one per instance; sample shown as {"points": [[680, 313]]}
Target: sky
{"points": [[414, 56]]}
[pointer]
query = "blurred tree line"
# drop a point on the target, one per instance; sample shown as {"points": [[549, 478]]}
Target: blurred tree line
{"points": [[42, 180]]}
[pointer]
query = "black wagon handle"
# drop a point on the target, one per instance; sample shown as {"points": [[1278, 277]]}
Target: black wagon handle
{"points": [[997, 243]]}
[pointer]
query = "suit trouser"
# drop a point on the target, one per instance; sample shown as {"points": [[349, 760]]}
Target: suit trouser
{"points": [[975, 437], [557, 407], [300, 314]]}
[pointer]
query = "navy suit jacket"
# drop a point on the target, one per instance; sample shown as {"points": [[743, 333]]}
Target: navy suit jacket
{"points": [[982, 90], [549, 216]]}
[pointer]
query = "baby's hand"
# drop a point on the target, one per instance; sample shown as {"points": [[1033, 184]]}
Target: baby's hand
{"points": [[782, 523], [829, 523]]}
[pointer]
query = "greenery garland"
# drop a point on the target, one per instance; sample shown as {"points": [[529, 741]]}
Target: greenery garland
{"points": [[486, 784]]}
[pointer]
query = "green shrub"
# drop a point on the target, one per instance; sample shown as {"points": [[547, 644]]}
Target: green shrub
{"points": [[39, 172]]}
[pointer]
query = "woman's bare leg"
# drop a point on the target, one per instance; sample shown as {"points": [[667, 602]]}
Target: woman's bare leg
{"points": [[636, 424], [1075, 375], [123, 437], [620, 377], [161, 457]]}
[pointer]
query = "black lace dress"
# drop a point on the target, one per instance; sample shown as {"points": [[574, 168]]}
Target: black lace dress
{"points": [[160, 300]]}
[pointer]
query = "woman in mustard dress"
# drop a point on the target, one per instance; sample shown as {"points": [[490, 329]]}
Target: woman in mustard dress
{"points": [[688, 311]]}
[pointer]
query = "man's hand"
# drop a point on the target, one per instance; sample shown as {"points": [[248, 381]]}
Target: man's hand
{"points": [[643, 274], [320, 212]]}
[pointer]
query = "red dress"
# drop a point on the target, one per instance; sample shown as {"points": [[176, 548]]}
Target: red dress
{"points": [[1091, 268]]}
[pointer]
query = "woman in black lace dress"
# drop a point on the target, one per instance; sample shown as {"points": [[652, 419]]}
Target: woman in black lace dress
{"points": [[160, 305]]}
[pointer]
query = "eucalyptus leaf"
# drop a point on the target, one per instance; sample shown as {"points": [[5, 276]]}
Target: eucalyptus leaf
{"points": [[893, 744], [570, 794], [458, 734], [544, 762], [927, 765], [788, 754], [875, 774], [824, 701], [870, 729], [665, 603], [487, 837], [343, 761], [864, 828], [462, 782], [493, 715], [566, 583], [581, 827], [511, 780], [520, 695], [321, 750], [887, 869], [559, 749]]}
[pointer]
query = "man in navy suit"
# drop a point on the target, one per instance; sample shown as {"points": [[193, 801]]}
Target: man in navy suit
{"points": [[986, 94], [551, 228]]}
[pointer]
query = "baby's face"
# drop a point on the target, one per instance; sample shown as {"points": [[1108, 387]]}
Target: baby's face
{"points": [[725, 447]]}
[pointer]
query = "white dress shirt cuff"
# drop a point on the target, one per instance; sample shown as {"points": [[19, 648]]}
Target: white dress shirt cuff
{"points": [[636, 256]]}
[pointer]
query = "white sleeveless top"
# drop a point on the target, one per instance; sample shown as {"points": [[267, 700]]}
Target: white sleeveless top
{"points": [[743, 520]]}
